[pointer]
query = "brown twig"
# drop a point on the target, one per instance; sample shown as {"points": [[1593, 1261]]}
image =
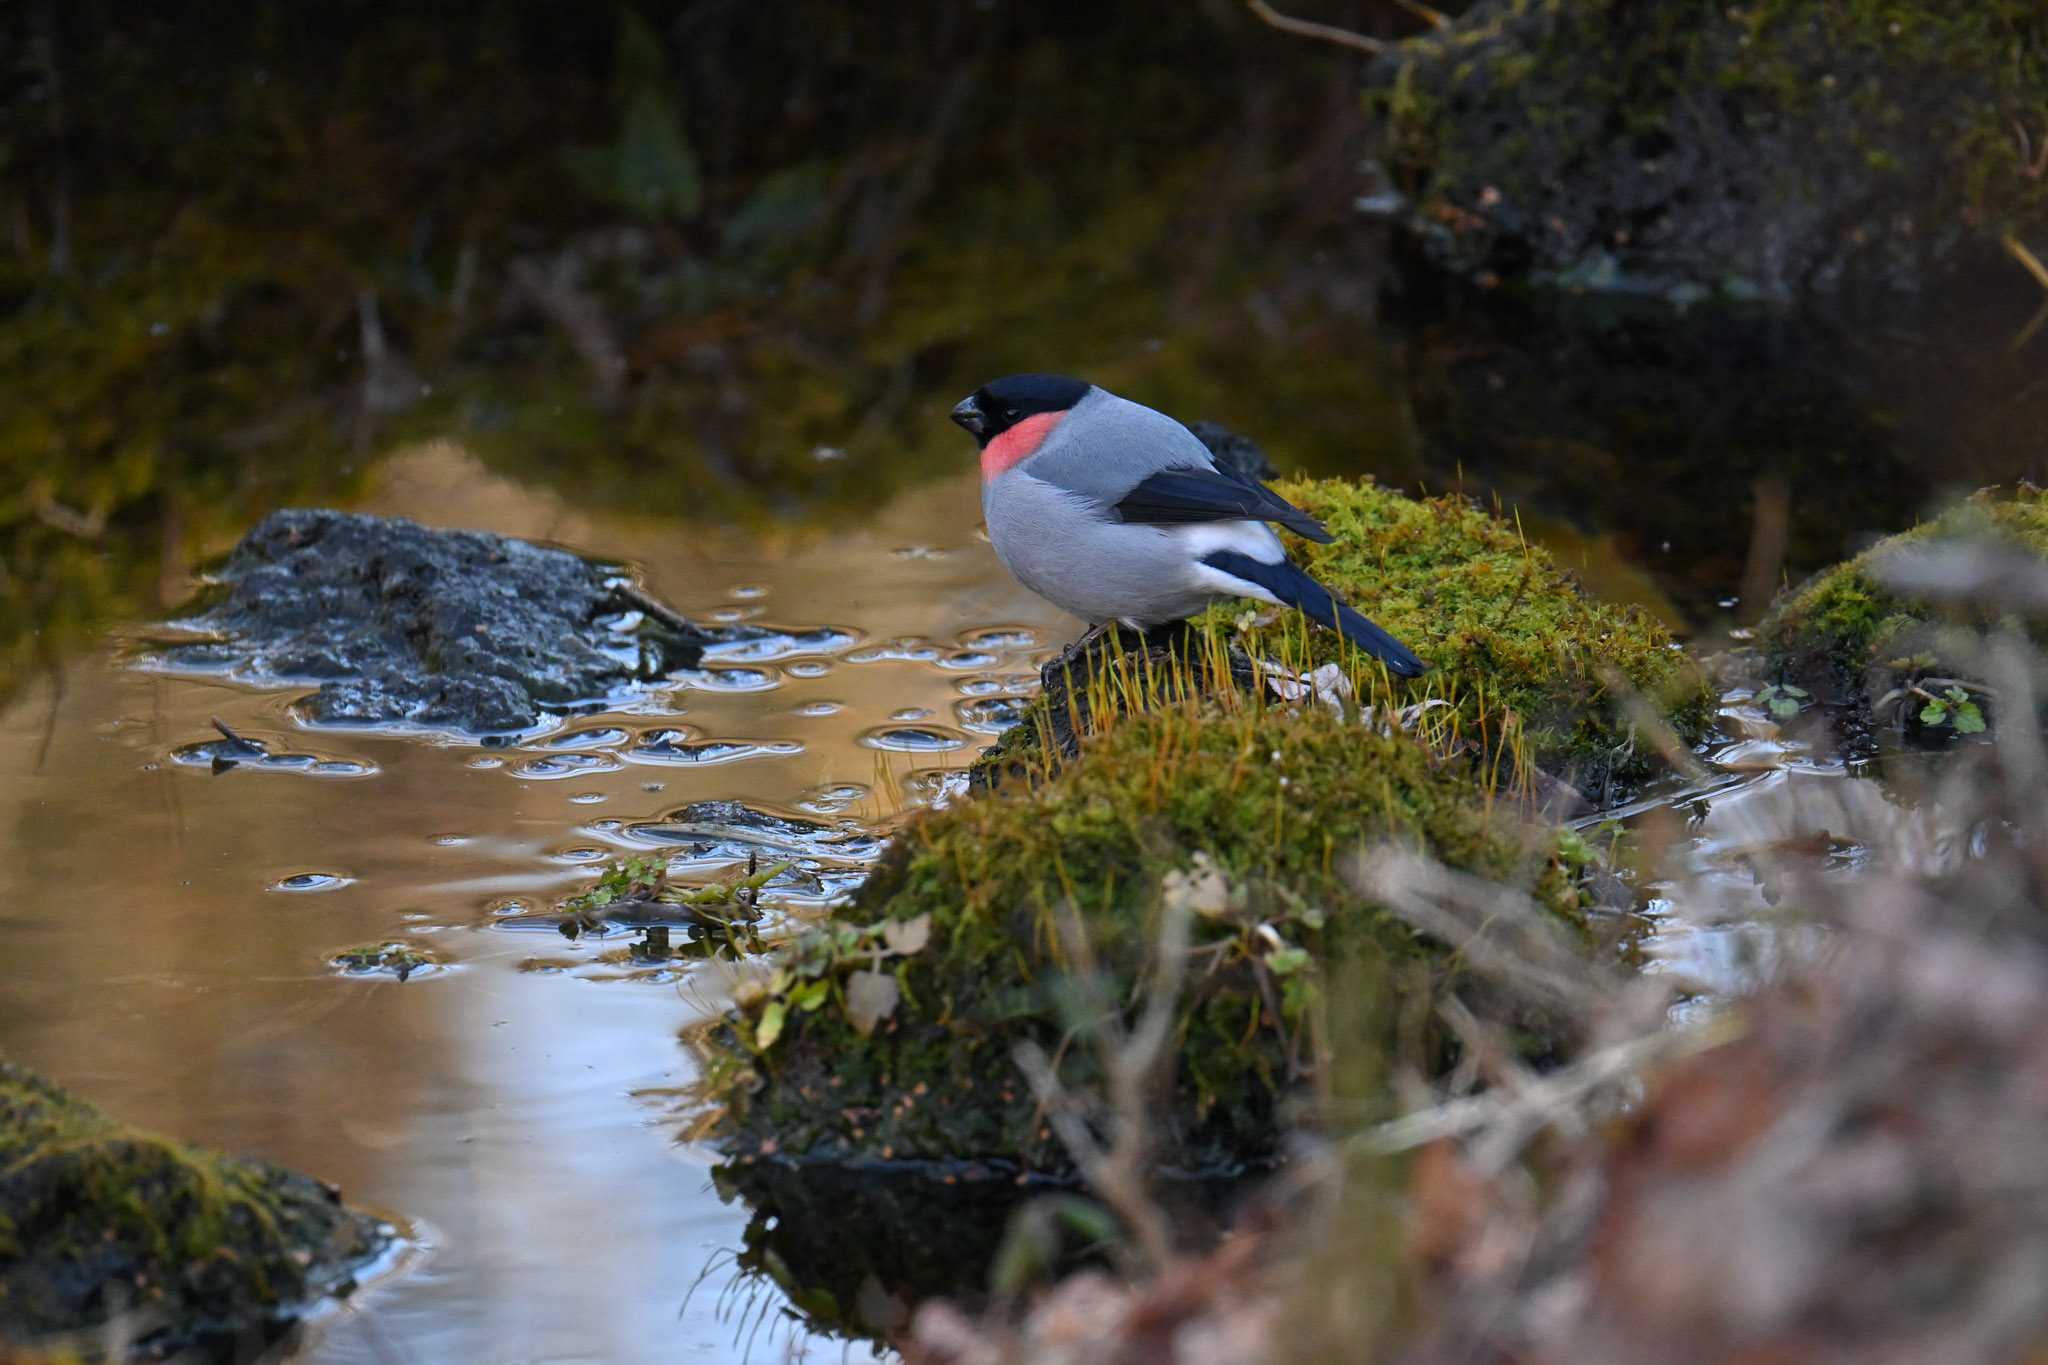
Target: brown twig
{"points": [[1134, 1066], [2027, 259], [1436, 19], [1308, 28]]}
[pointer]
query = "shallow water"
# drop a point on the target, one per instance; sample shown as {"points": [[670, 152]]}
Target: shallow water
{"points": [[169, 926], [178, 892]]}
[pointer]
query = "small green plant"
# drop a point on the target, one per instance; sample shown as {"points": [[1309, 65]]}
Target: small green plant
{"points": [[1782, 700], [398, 958], [729, 905], [1953, 708], [843, 963]]}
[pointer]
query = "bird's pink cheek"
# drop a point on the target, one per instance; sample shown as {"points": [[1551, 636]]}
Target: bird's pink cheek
{"points": [[1017, 443]]}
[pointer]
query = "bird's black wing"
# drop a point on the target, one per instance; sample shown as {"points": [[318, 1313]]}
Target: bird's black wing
{"points": [[1189, 494]]}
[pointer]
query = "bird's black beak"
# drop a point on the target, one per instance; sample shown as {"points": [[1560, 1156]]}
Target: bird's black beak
{"points": [[968, 414]]}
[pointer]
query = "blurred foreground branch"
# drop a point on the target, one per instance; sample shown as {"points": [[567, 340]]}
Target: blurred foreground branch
{"points": [[1135, 1066]]}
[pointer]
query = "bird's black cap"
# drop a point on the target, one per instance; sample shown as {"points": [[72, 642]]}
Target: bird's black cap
{"points": [[1000, 404]]}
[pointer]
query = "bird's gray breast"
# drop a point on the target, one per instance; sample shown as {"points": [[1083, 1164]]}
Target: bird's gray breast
{"points": [[1067, 547]]}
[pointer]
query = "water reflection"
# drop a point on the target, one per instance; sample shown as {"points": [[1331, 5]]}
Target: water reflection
{"points": [[496, 1104]]}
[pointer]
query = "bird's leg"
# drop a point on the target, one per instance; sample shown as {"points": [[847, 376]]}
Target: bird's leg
{"points": [[1073, 654]]}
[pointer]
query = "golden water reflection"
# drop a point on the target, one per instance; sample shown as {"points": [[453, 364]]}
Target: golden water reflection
{"points": [[153, 968]]}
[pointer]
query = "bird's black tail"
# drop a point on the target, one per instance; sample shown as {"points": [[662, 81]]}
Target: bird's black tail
{"points": [[1285, 580]]}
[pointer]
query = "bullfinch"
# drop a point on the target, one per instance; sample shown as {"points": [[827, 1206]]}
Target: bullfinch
{"points": [[1115, 512]]}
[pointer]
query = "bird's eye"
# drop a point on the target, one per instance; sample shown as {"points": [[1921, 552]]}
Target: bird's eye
{"points": [[1011, 414]]}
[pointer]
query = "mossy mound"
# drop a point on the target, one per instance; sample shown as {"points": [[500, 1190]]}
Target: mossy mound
{"points": [[99, 1220], [1852, 639], [1778, 148], [887, 1032], [1520, 654]]}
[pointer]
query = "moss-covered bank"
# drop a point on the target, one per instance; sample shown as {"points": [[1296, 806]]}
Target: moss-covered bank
{"points": [[1517, 649], [1855, 636], [99, 1220], [1779, 147], [888, 1031]]}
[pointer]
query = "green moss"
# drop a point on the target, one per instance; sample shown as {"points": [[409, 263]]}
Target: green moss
{"points": [[1514, 643], [1524, 662], [1846, 634], [1253, 814], [97, 1218]]}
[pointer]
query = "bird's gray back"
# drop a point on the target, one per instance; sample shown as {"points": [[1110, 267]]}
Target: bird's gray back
{"points": [[1108, 445]]}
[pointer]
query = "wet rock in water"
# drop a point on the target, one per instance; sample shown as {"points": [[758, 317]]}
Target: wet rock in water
{"points": [[99, 1221], [393, 957], [1902, 633], [1780, 149], [459, 630]]}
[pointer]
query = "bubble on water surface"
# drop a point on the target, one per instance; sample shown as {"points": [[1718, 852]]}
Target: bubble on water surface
{"points": [[832, 799], [990, 715], [682, 747], [596, 737], [556, 766], [727, 680], [1000, 637], [905, 649], [312, 881], [782, 644], [914, 739]]}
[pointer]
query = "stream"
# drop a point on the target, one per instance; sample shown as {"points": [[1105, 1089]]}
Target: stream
{"points": [[170, 927], [511, 1104]]}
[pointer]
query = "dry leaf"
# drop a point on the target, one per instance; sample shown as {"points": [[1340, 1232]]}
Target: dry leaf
{"points": [[907, 936], [870, 998]]}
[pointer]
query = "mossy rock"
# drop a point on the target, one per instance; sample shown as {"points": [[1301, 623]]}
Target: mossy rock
{"points": [[887, 1032], [1847, 636], [1522, 655], [98, 1220], [1779, 148]]}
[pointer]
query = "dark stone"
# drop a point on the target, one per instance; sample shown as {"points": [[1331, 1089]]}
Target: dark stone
{"points": [[1238, 453], [194, 1251], [459, 630]]}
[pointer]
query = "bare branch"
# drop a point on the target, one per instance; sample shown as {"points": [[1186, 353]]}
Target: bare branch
{"points": [[1135, 1066], [1308, 28]]}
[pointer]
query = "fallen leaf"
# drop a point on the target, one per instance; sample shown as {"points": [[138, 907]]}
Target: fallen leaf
{"points": [[907, 936], [870, 998]]}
